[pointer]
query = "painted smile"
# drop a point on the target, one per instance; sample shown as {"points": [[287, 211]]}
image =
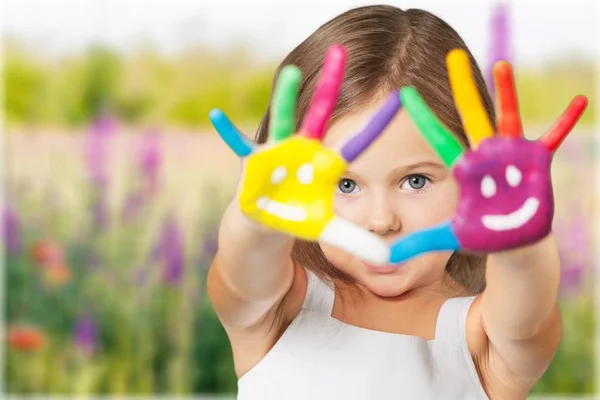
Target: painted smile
{"points": [[281, 210], [514, 220]]}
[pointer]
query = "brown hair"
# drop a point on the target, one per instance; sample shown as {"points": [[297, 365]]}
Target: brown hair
{"points": [[387, 48]]}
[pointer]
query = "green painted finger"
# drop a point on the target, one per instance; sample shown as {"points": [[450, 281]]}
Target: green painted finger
{"points": [[284, 104], [444, 143]]}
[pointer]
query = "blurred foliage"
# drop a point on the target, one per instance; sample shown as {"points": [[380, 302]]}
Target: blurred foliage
{"points": [[141, 87], [573, 368], [544, 94], [145, 86], [151, 336]]}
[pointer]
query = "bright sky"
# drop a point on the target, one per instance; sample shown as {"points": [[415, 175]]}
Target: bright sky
{"points": [[542, 29]]}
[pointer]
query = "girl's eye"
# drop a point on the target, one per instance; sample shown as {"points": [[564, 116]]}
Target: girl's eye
{"points": [[415, 182], [346, 186]]}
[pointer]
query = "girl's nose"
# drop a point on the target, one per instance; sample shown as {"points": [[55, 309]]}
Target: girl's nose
{"points": [[382, 217]]}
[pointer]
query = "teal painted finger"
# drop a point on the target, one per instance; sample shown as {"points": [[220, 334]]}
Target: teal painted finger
{"points": [[230, 134]]}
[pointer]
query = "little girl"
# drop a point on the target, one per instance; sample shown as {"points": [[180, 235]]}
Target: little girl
{"points": [[323, 318]]}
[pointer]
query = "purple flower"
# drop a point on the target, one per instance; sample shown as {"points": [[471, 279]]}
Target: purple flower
{"points": [[149, 161], [500, 41], [209, 249], [85, 335], [133, 206], [96, 149], [211, 244], [96, 152], [156, 253], [12, 231], [148, 169], [570, 281], [579, 234], [574, 252], [172, 252]]}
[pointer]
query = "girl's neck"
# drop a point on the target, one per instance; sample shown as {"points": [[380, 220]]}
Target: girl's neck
{"points": [[412, 313]]}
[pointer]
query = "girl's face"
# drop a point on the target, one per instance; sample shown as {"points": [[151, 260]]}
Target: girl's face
{"points": [[397, 186]]}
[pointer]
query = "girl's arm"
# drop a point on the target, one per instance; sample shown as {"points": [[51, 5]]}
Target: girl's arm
{"points": [[519, 308], [252, 271]]}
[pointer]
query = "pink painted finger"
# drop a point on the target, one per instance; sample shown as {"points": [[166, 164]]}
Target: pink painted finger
{"points": [[326, 94]]}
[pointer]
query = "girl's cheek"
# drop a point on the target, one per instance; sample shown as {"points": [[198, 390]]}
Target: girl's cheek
{"points": [[340, 259], [349, 208], [435, 205]]}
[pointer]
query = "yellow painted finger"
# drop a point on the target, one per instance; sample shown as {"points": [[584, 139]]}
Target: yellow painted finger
{"points": [[466, 96]]}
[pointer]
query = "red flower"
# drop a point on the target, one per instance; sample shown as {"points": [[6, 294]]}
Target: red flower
{"points": [[25, 338], [47, 252]]}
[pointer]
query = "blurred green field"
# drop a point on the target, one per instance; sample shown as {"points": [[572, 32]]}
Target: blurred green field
{"points": [[144, 86], [127, 313]]}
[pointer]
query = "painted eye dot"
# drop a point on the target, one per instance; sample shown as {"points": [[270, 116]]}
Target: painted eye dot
{"points": [[513, 175], [488, 186], [278, 175], [305, 174]]}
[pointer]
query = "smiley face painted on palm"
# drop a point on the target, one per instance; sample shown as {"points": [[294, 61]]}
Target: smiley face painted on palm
{"points": [[505, 187], [299, 195], [506, 195]]}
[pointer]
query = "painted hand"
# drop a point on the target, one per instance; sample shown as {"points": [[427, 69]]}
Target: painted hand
{"points": [[506, 196], [289, 183]]}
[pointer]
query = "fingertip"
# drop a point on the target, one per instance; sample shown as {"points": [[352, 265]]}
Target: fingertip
{"points": [[502, 65], [457, 58], [581, 101], [291, 72], [381, 256], [215, 114], [334, 63], [391, 105], [336, 53], [395, 98], [406, 91]]}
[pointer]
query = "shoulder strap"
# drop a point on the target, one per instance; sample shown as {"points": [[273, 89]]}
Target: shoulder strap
{"points": [[452, 319], [450, 342]]}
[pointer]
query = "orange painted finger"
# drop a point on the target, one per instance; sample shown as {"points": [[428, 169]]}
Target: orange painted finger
{"points": [[509, 119]]}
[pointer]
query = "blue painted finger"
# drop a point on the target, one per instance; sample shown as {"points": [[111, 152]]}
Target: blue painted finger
{"points": [[230, 134], [437, 238]]}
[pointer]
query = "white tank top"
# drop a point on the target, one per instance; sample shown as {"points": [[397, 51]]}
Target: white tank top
{"points": [[320, 357]]}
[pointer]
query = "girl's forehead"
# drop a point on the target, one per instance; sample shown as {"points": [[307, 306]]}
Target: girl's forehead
{"points": [[400, 134]]}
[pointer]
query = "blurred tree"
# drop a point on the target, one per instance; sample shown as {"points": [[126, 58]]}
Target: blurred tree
{"points": [[544, 93], [145, 86], [102, 73], [24, 78]]}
